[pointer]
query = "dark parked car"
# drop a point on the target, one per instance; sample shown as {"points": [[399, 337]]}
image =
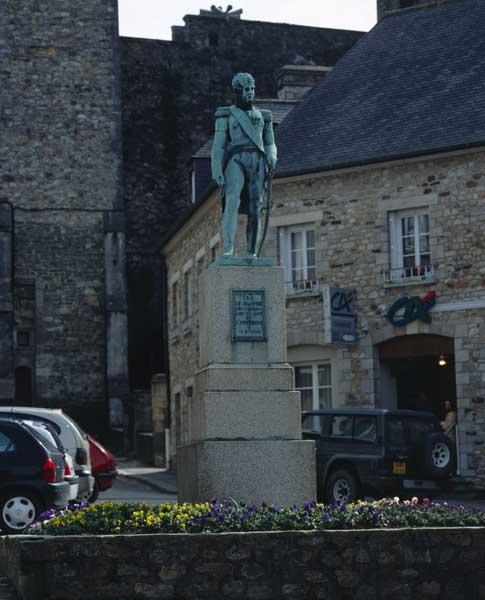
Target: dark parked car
{"points": [[31, 476], [387, 452]]}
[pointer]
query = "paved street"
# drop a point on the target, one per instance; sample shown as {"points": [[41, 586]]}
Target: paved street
{"points": [[129, 490]]}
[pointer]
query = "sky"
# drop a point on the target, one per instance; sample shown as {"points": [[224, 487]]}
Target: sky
{"points": [[153, 18]]}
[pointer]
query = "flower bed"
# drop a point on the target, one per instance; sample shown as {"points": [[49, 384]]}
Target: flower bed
{"points": [[247, 560], [229, 516]]}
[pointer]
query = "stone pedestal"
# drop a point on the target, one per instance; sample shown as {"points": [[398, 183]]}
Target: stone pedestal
{"points": [[244, 419]]}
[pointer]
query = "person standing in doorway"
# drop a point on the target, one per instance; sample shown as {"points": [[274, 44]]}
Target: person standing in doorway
{"points": [[449, 423]]}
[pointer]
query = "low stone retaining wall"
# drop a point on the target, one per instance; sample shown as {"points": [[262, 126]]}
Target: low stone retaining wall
{"points": [[364, 565]]}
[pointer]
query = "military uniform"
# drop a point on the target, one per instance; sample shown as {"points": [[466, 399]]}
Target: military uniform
{"points": [[243, 150]]}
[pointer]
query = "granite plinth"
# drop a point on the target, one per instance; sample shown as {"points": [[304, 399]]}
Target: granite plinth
{"points": [[215, 334], [265, 377], [245, 415], [279, 472]]}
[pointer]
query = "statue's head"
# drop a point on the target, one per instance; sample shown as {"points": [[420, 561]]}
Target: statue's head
{"points": [[244, 86]]}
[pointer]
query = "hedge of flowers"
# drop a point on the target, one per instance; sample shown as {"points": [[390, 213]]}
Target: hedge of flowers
{"points": [[227, 515]]}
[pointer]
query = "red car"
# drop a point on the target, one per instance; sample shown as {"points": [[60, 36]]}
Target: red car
{"points": [[103, 466]]}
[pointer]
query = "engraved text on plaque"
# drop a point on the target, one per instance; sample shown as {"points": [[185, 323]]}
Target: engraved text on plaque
{"points": [[248, 315]]}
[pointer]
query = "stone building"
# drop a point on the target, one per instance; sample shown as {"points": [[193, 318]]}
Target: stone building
{"points": [[63, 313], [379, 197], [96, 131]]}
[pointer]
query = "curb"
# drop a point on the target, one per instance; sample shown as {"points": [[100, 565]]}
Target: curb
{"points": [[145, 481]]}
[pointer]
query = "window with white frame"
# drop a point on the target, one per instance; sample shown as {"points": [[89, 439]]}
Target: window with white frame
{"points": [[410, 245], [314, 382], [187, 294], [298, 257]]}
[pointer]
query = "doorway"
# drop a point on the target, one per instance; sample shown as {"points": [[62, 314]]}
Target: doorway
{"points": [[418, 373], [23, 386]]}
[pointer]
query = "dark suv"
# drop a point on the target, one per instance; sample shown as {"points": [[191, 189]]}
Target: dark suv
{"points": [[31, 476], [387, 452]]}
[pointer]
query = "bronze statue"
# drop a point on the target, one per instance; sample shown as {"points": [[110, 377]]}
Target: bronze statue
{"points": [[243, 158]]}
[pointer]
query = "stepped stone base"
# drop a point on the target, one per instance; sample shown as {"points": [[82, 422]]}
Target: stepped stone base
{"points": [[281, 472], [247, 415], [269, 377]]}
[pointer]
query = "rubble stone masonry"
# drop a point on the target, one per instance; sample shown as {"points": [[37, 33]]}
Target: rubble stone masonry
{"points": [[60, 160], [311, 565]]}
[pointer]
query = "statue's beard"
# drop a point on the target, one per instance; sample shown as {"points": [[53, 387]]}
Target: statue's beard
{"points": [[244, 104]]}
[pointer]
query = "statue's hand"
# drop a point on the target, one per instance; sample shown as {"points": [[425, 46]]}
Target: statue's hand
{"points": [[221, 182], [272, 160]]}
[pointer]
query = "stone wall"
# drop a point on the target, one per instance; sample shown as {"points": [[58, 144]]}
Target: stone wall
{"points": [[349, 211], [6, 303], [170, 91], [160, 419], [353, 248], [61, 171], [333, 565]]}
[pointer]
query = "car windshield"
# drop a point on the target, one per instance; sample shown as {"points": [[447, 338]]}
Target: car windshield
{"points": [[365, 428], [75, 426], [312, 423]]}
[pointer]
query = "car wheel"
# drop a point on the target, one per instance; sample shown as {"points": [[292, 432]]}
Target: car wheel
{"points": [[439, 455], [18, 510], [342, 486], [95, 493]]}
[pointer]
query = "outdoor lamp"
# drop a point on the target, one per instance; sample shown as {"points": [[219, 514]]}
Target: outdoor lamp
{"points": [[442, 361]]}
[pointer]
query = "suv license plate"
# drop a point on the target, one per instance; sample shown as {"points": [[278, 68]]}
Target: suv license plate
{"points": [[399, 468]]}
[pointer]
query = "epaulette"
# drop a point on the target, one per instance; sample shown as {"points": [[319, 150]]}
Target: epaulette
{"points": [[267, 116], [223, 111]]}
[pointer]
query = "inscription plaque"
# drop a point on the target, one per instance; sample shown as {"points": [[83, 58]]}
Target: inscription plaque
{"points": [[248, 315]]}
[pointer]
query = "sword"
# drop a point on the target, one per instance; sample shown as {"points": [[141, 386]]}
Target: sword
{"points": [[266, 209]]}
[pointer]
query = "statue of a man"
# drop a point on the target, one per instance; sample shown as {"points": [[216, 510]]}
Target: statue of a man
{"points": [[243, 155]]}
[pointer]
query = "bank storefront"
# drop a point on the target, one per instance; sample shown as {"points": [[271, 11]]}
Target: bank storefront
{"points": [[431, 356], [417, 353]]}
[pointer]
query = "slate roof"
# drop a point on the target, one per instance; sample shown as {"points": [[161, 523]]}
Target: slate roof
{"points": [[278, 108], [415, 84]]}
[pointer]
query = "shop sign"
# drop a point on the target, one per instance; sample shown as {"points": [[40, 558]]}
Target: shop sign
{"points": [[341, 316], [408, 309]]}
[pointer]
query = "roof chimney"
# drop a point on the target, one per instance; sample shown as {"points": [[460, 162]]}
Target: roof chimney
{"points": [[295, 81], [385, 6], [219, 13]]}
